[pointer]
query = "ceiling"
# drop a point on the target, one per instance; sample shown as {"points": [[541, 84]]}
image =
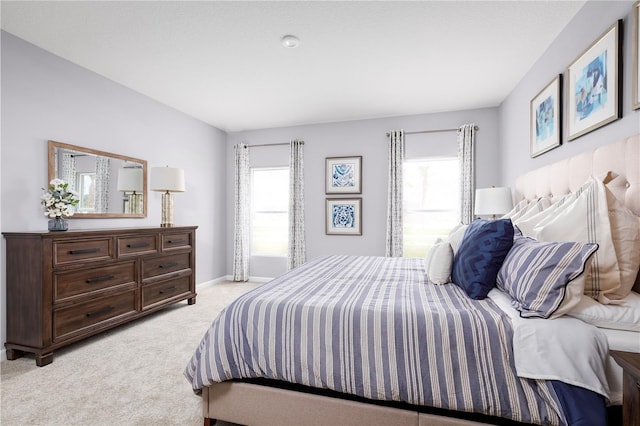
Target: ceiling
{"points": [[223, 63]]}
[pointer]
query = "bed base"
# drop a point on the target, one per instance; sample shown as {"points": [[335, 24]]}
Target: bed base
{"points": [[256, 404]]}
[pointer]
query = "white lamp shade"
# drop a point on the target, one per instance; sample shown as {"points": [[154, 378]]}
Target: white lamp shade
{"points": [[493, 201], [130, 179], [165, 179]]}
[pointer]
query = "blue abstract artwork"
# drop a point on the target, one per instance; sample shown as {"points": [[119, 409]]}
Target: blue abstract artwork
{"points": [[344, 216], [343, 176], [545, 122], [591, 87]]}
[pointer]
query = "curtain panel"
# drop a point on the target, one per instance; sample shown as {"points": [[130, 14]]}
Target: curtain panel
{"points": [[103, 176], [297, 253], [394, 241], [241, 250], [466, 148]]}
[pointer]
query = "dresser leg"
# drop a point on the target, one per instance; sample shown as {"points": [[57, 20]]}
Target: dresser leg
{"points": [[14, 354], [191, 301], [209, 422], [42, 360]]}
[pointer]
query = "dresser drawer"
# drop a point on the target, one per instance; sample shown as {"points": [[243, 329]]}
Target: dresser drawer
{"points": [[165, 290], [165, 264], [78, 282], [65, 252], [80, 317], [141, 244], [177, 240]]}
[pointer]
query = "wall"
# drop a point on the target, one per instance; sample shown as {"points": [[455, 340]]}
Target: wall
{"points": [[366, 138], [587, 26], [45, 97]]}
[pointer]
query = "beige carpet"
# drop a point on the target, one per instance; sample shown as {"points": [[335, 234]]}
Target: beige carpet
{"points": [[131, 375]]}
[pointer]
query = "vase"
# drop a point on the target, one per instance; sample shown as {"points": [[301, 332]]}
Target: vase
{"points": [[58, 224]]}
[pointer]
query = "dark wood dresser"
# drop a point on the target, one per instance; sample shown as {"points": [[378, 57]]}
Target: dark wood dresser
{"points": [[65, 286]]}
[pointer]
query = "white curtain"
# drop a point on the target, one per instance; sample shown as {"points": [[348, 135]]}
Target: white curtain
{"points": [[102, 184], [466, 142], [297, 247], [69, 169], [394, 194], [241, 230]]}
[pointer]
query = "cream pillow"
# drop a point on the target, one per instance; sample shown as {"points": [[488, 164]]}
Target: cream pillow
{"points": [[456, 235], [625, 233], [438, 262], [586, 219]]}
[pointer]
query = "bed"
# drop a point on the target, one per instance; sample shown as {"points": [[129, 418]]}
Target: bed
{"points": [[351, 339]]}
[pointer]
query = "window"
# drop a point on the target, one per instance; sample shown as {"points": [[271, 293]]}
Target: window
{"points": [[269, 211], [431, 202], [86, 185]]}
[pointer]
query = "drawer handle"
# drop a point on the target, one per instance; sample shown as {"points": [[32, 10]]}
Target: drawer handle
{"points": [[100, 279], [137, 245], [168, 264], [104, 310], [176, 241], [167, 289], [85, 251]]}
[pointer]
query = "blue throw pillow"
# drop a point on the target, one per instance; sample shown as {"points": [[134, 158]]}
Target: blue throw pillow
{"points": [[483, 248]]}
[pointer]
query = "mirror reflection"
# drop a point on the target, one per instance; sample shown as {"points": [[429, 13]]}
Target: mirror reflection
{"points": [[109, 185]]}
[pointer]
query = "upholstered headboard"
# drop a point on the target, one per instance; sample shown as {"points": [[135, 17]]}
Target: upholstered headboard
{"points": [[563, 177]]}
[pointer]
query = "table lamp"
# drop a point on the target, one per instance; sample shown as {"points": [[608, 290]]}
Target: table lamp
{"points": [[167, 180], [130, 182], [493, 201]]}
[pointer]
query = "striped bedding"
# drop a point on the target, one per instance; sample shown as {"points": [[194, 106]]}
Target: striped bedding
{"points": [[372, 327]]}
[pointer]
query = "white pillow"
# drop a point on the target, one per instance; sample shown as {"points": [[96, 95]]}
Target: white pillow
{"points": [[533, 217], [625, 315], [456, 235], [586, 219], [517, 211], [438, 263]]}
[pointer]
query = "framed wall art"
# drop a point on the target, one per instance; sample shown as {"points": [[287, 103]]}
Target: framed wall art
{"points": [[344, 216], [343, 175], [546, 118], [635, 77], [593, 85]]}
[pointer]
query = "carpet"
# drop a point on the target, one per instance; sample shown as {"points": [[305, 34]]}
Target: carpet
{"points": [[130, 375]]}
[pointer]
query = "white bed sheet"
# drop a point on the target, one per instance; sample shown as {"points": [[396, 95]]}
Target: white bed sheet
{"points": [[565, 348]]}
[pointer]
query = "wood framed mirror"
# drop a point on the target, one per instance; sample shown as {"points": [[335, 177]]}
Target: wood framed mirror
{"points": [[109, 185]]}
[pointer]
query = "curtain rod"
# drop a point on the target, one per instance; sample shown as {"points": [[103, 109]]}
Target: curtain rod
{"points": [[267, 144], [433, 131]]}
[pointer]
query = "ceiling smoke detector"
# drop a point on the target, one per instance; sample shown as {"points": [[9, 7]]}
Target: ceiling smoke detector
{"points": [[290, 41]]}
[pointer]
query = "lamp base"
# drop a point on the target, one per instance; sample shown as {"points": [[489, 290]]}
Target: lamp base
{"points": [[167, 210]]}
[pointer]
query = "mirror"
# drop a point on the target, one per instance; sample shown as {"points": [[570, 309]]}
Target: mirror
{"points": [[109, 185]]}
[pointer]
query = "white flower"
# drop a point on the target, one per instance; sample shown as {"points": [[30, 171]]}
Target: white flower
{"points": [[59, 201]]}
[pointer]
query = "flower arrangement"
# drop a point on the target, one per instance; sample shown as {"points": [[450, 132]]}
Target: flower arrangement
{"points": [[59, 200]]}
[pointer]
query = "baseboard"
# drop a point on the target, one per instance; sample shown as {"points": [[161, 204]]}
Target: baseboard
{"points": [[252, 279], [3, 355], [211, 282]]}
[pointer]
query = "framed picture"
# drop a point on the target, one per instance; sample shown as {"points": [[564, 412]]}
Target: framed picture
{"points": [[344, 216], [635, 77], [593, 80], [343, 175], [546, 118]]}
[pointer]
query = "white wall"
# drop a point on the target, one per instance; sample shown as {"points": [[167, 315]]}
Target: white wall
{"points": [[45, 97], [587, 26], [366, 138]]}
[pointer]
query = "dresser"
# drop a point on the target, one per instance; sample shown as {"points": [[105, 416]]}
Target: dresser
{"points": [[65, 286]]}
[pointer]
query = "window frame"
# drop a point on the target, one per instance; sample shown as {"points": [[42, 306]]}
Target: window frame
{"points": [[253, 211]]}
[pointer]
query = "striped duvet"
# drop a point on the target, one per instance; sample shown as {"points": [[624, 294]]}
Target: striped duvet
{"points": [[372, 327]]}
